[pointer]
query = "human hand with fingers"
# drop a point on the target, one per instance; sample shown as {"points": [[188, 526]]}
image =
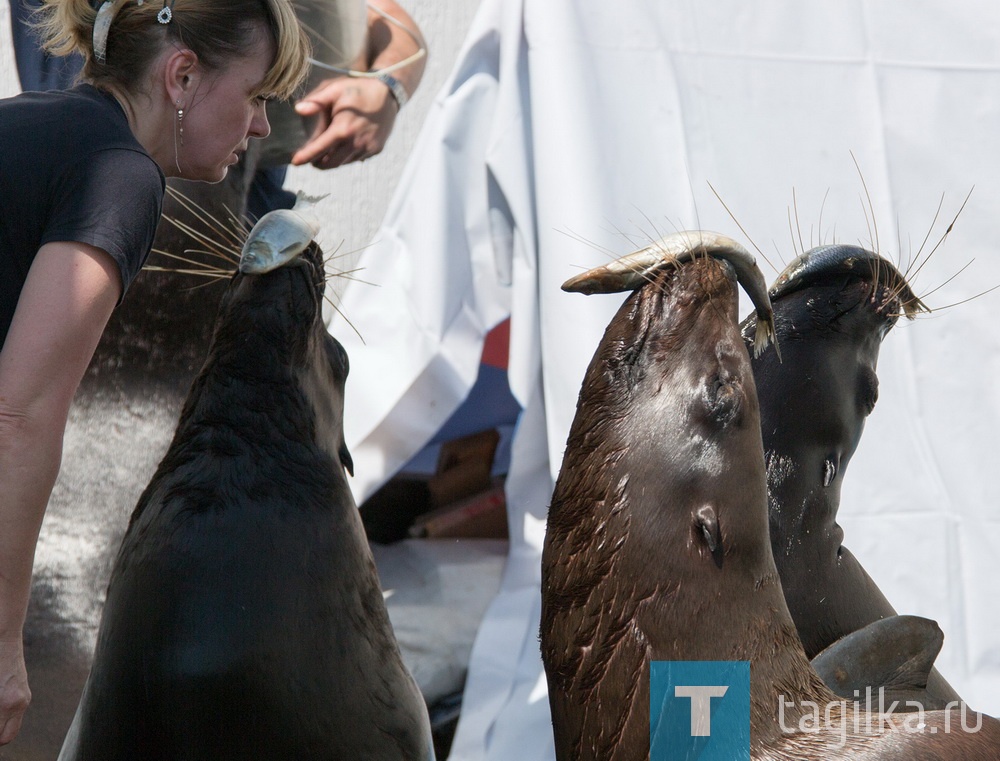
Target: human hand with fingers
{"points": [[355, 116], [14, 693], [355, 112]]}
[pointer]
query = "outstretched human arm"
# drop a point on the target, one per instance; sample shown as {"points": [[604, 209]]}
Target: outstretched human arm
{"points": [[62, 310], [356, 114]]}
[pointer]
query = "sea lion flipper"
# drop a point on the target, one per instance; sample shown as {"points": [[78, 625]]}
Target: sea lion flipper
{"points": [[895, 653]]}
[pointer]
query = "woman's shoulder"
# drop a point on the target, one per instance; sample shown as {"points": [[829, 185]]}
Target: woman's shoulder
{"points": [[66, 123], [81, 100]]}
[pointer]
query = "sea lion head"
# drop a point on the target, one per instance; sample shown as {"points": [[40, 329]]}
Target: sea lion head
{"points": [[270, 331], [833, 306], [664, 451]]}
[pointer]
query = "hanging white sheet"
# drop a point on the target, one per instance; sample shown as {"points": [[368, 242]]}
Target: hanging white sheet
{"points": [[572, 130]]}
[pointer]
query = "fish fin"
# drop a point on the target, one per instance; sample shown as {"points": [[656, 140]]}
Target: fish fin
{"points": [[304, 200]]}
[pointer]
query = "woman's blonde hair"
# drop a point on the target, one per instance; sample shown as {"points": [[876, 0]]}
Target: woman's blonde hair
{"points": [[215, 30]]}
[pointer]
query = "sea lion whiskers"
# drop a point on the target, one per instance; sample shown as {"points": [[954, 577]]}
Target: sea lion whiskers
{"points": [[911, 304], [965, 300], [234, 228], [912, 278], [333, 305], [892, 280], [819, 223], [198, 267], [346, 274], [872, 223], [902, 289], [215, 249], [212, 276], [798, 225], [224, 238]]}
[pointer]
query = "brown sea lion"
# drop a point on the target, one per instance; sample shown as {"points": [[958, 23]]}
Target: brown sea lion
{"points": [[832, 306], [657, 546], [244, 617]]}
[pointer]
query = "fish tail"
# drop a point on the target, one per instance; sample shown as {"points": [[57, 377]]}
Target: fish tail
{"points": [[764, 335]]}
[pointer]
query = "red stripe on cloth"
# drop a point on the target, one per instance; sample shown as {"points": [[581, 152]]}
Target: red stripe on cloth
{"points": [[496, 347]]}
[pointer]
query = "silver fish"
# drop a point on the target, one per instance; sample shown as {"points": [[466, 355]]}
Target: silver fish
{"points": [[861, 263], [634, 270], [279, 236]]}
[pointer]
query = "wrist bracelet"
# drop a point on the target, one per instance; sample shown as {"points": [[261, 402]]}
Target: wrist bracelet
{"points": [[396, 89]]}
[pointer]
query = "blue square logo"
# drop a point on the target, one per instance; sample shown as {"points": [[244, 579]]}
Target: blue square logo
{"points": [[699, 711]]}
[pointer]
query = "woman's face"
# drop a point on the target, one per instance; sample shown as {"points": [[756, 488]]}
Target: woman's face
{"points": [[222, 115]]}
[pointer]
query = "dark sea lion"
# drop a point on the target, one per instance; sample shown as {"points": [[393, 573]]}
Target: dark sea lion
{"points": [[120, 424], [244, 617], [657, 546], [832, 306]]}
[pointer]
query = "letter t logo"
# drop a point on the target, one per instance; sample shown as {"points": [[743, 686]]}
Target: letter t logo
{"points": [[701, 706]]}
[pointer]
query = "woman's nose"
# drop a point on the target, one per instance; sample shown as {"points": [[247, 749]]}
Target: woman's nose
{"points": [[259, 125]]}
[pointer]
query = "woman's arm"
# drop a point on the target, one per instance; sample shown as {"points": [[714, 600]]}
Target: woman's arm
{"points": [[356, 114], [62, 310]]}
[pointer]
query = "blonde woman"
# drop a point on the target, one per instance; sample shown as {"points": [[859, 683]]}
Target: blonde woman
{"points": [[171, 88]]}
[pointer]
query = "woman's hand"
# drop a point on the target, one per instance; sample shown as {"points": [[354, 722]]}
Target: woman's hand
{"points": [[61, 312], [14, 693]]}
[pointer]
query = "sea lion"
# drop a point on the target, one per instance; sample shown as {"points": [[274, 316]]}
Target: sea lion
{"points": [[833, 306], [657, 544], [244, 617], [120, 425]]}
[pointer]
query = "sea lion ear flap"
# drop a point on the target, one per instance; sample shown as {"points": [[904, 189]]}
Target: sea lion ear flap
{"points": [[707, 524], [346, 460]]}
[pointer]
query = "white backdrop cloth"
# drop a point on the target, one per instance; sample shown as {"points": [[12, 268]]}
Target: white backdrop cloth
{"points": [[571, 130]]}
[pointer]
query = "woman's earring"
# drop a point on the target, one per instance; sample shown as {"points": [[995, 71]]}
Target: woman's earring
{"points": [[179, 137]]}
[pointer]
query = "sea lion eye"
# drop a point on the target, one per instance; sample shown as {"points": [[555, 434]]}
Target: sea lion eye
{"points": [[724, 400]]}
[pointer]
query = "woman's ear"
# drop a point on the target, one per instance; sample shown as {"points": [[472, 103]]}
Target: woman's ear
{"points": [[181, 74]]}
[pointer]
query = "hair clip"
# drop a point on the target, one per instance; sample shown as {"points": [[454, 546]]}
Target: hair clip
{"points": [[102, 24], [166, 12]]}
